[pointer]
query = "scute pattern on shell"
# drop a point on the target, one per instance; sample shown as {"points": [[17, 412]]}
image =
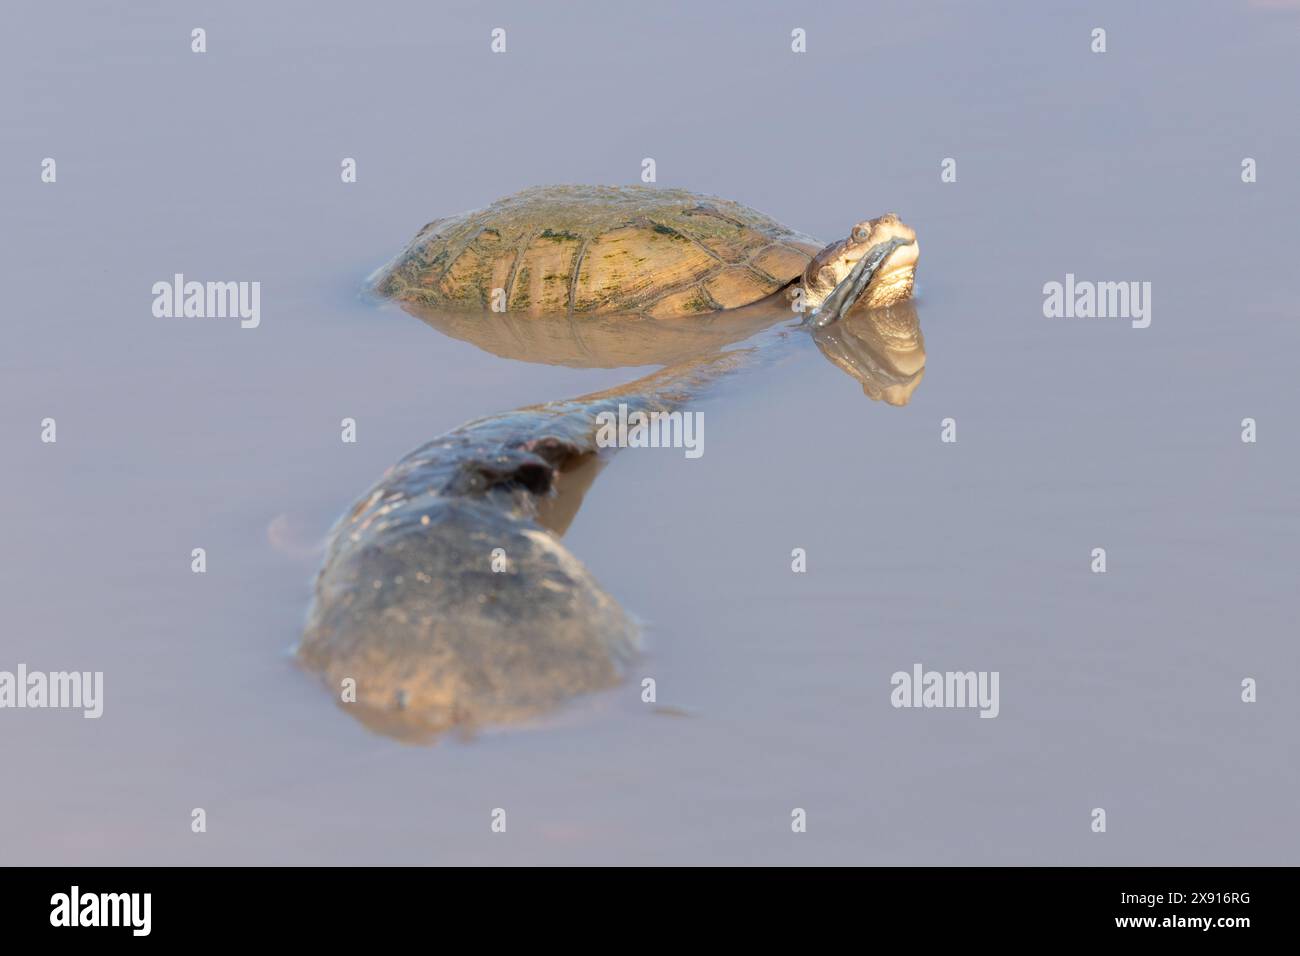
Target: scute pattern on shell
{"points": [[600, 250]]}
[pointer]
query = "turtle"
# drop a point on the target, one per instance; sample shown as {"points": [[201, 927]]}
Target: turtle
{"points": [[643, 251], [445, 592]]}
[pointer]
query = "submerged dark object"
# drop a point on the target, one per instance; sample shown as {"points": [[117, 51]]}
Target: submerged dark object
{"points": [[409, 606], [407, 603]]}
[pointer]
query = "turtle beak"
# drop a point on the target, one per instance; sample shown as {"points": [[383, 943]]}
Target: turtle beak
{"points": [[856, 283]]}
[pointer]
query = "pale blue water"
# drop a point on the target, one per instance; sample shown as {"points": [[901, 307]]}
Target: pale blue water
{"points": [[1118, 691]]}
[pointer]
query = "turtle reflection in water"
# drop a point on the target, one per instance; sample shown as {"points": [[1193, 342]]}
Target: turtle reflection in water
{"points": [[446, 593]]}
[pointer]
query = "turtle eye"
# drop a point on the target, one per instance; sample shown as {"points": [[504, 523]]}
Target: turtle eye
{"points": [[860, 233]]}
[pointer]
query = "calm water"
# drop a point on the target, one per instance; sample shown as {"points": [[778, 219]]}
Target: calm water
{"points": [[1118, 691]]}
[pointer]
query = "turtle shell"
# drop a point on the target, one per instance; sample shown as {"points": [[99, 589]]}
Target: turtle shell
{"points": [[600, 250]]}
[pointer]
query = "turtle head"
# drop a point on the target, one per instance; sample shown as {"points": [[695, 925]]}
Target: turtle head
{"points": [[874, 267]]}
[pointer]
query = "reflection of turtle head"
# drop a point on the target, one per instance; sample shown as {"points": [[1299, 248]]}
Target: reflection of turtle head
{"points": [[882, 348]]}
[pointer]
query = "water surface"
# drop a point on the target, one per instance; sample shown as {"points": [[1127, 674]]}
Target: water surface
{"points": [[1117, 690]]}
